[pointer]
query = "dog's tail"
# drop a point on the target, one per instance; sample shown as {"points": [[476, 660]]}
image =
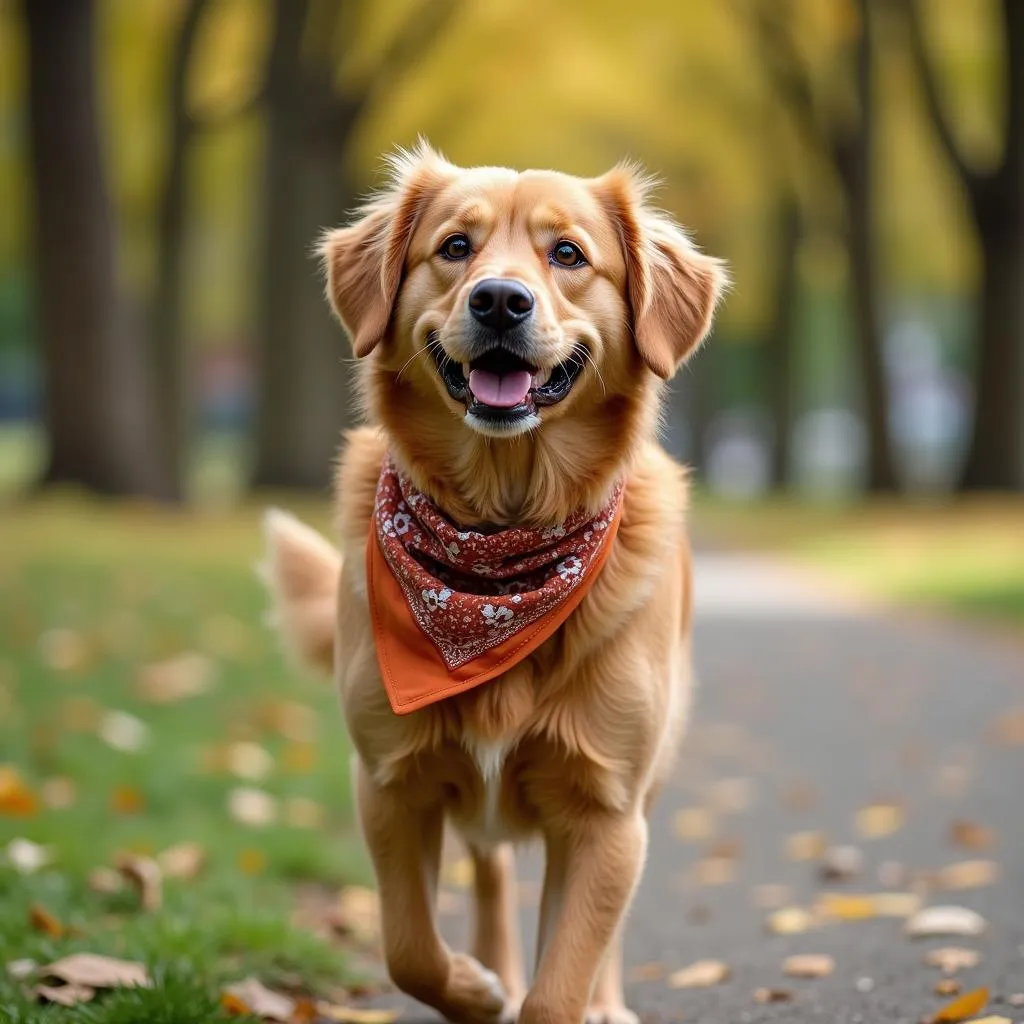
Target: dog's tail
{"points": [[301, 572]]}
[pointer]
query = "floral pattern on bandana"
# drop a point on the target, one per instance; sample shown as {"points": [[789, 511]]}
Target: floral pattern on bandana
{"points": [[470, 591]]}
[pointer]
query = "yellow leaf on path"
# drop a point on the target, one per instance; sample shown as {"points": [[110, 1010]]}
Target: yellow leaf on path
{"points": [[845, 907], [879, 820], [962, 1008], [693, 824], [43, 921], [896, 904], [647, 972], [261, 1001], [971, 836], [350, 1015], [809, 965], [951, 959], [803, 846], [967, 874], [702, 974], [990, 1020], [948, 987], [65, 995], [790, 921], [772, 995], [97, 971]]}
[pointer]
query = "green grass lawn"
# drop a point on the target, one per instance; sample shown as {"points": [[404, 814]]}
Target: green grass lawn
{"points": [[91, 597], [964, 557]]}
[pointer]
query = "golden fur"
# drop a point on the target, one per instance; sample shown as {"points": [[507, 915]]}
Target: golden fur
{"points": [[573, 743]]}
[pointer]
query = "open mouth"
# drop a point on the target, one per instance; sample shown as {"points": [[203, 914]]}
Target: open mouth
{"points": [[501, 387]]}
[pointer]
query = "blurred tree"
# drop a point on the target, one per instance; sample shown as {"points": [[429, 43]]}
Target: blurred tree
{"points": [[995, 458], [98, 422], [842, 133], [312, 113]]}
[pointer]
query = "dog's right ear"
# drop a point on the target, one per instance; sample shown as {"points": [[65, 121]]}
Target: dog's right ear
{"points": [[364, 262]]}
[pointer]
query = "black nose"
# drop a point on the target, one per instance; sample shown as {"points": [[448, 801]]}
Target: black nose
{"points": [[500, 303]]}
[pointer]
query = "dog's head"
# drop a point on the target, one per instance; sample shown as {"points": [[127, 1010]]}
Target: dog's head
{"points": [[490, 304]]}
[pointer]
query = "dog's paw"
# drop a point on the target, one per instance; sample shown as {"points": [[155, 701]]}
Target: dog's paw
{"points": [[474, 994], [611, 1015]]}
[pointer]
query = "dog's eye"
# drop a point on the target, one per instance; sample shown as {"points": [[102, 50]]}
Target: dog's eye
{"points": [[455, 247], [568, 254]]}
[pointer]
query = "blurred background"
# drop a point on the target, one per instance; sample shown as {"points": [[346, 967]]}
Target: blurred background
{"points": [[168, 366]]}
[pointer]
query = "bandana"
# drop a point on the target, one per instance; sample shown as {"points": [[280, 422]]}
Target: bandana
{"points": [[454, 608]]}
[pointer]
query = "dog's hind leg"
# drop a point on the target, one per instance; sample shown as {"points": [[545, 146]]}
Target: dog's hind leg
{"points": [[405, 844], [496, 942]]}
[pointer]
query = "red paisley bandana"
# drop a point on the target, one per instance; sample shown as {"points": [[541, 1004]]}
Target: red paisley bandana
{"points": [[454, 608]]}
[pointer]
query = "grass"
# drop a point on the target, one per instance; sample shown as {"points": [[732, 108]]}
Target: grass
{"points": [[964, 557], [89, 596]]}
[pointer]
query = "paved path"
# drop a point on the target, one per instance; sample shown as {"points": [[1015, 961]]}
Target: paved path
{"points": [[811, 708]]}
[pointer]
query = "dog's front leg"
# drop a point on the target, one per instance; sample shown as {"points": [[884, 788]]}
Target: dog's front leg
{"points": [[405, 845], [599, 861]]}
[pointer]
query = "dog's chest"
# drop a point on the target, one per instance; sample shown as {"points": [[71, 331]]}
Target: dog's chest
{"points": [[485, 826]]}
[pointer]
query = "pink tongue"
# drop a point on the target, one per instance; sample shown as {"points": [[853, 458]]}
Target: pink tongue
{"points": [[501, 390]]}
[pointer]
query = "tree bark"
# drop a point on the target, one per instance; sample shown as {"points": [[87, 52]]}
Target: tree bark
{"points": [[98, 424], [303, 396], [779, 342]]}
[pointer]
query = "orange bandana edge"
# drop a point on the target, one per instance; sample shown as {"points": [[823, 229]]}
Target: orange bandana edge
{"points": [[413, 673]]}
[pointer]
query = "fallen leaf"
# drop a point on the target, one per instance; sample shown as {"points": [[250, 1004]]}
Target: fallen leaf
{"points": [[936, 921], [357, 913], [59, 792], [840, 863], [702, 974], [233, 1006], [803, 846], [97, 971], [261, 1001], [714, 871], [105, 881], [770, 897], [647, 972], [1017, 999], [843, 907], [16, 799], [790, 921], [693, 824], [458, 873], [65, 995], [252, 862], [971, 836], [995, 1019], [182, 861], [879, 820], [63, 650], [948, 987], [43, 921], [174, 679], [19, 970], [809, 965], [145, 877], [252, 807], [126, 800], [350, 1015], [772, 995], [248, 761], [951, 959], [301, 812], [27, 857], [963, 1008], [896, 904], [124, 732], [731, 796], [967, 874]]}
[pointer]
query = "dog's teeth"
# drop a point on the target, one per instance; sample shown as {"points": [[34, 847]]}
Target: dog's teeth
{"points": [[541, 378], [465, 370]]}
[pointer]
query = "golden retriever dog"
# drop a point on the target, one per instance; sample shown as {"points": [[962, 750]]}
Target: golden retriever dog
{"points": [[514, 332]]}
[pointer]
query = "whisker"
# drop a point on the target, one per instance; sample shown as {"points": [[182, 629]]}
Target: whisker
{"points": [[420, 351]]}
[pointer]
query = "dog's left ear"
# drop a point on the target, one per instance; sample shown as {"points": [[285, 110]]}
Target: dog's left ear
{"points": [[364, 262], [673, 288]]}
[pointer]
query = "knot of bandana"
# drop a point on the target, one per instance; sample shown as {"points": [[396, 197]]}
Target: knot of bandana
{"points": [[484, 601]]}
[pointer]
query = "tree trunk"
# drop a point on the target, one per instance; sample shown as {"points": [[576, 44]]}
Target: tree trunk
{"points": [[97, 420], [995, 458], [171, 353], [303, 391], [779, 346]]}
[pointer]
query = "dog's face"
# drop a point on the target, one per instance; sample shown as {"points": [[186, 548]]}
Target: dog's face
{"points": [[512, 298]]}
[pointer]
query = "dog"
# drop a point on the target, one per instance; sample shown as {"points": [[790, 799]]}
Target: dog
{"points": [[513, 334]]}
